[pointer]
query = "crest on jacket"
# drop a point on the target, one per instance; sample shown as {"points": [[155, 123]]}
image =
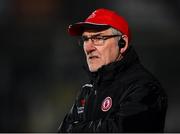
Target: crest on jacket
{"points": [[106, 104]]}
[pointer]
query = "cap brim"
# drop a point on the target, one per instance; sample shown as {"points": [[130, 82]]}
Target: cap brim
{"points": [[78, 28]]}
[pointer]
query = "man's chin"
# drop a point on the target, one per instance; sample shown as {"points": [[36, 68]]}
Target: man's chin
{"points": [[93, 69]]}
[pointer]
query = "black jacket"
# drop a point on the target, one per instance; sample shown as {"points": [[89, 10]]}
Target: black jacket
{"points": [[121, 97]]}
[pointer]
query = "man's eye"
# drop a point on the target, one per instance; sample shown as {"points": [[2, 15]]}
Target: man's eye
{"points": [[98, 38], [85, 38]]}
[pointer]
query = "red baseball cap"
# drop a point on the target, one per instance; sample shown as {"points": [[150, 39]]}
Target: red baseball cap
{"points": [[98, 19]]}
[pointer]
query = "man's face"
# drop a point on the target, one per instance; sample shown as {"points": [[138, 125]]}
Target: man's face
{"points": [[98, 55]]}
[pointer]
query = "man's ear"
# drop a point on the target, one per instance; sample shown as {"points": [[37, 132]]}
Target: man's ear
{"points": [[123, 49]]}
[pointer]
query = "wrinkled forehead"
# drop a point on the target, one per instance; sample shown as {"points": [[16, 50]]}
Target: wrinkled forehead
{"points": [[96, 31]]}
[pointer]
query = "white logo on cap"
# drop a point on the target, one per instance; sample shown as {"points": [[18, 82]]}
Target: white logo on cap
{"points": [[106, 104], [92, 15]]}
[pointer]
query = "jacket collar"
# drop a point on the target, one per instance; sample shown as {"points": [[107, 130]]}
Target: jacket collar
{"points": [[108, 72]]}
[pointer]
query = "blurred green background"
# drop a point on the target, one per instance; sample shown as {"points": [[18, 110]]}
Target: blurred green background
{"points": [[41, 65]]}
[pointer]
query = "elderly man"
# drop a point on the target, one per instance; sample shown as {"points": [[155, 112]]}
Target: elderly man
{"points": [[121, 96]]}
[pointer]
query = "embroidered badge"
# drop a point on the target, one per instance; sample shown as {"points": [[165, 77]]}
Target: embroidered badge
{"points": [[81, 108], [82, 101], [106, 104]]}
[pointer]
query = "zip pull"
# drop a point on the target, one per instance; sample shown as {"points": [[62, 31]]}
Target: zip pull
{"points": [[95, 92]]}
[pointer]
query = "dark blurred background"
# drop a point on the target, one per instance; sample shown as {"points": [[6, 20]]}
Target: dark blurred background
{"points": [[41, 65]]}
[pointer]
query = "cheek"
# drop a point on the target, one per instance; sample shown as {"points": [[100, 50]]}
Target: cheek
{"points": [[84, 49], [109, 55]]}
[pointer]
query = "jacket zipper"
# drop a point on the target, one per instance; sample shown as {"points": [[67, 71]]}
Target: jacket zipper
{"points": [[95, 101], [95, 96]]}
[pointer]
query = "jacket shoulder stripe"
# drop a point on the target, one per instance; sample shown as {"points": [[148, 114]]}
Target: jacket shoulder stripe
{"points": [[87, 85]]}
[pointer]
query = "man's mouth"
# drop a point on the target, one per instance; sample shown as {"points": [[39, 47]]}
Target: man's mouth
{"points": [[93, 57]]}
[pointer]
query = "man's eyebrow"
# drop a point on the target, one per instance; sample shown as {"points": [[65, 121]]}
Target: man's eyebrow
{"points": [[93, 35]]}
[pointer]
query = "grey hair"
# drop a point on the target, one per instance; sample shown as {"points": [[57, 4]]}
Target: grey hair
{"points": [[115, 32]]}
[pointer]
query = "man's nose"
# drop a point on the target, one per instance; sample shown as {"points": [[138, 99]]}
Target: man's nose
{"points": [[89, 46]]}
